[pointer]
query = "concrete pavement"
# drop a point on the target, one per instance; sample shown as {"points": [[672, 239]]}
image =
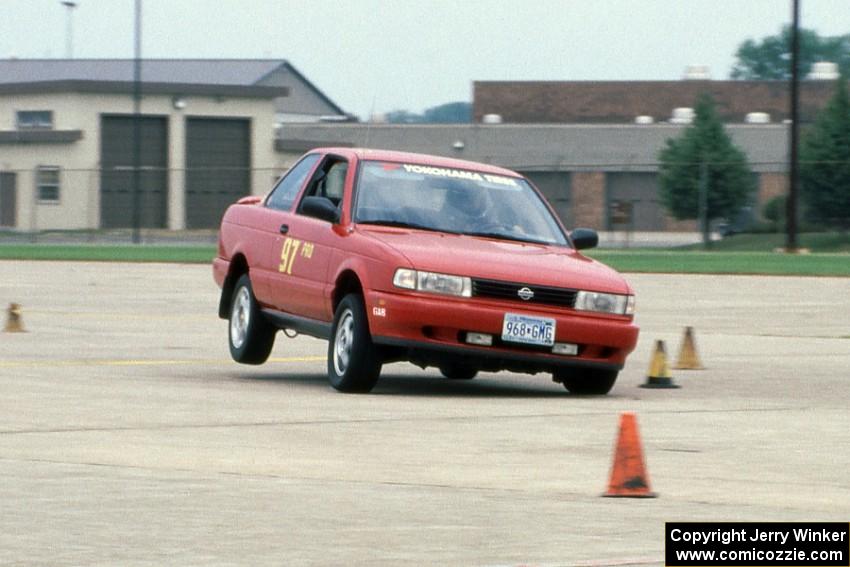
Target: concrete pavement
{"points": [[127, 437]]}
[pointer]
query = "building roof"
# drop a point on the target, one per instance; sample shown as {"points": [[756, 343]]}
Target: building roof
{"points": [[194, 71], [563, 102], [208, 75], [526, 147], [126, 87]]}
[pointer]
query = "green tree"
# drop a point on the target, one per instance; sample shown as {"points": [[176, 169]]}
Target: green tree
{"points": [[825, 163], [703, 162], [449, 113], [769, 59], [403, 117]]}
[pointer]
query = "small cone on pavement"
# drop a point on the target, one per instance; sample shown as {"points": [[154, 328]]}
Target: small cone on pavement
{"points": [[14, 323], [688, 357], [659, 371], [628, 473]]}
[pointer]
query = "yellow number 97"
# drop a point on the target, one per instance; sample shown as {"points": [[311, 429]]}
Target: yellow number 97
{"points": [[287, 254]]}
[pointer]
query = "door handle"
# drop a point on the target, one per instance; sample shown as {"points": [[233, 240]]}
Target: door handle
{"points": [[284, 228]]}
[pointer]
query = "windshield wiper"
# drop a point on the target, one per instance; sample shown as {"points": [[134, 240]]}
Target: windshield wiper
{"points": [[401, 224], [503, 236]]}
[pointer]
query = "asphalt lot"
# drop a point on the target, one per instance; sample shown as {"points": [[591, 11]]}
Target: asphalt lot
{"points": [[127, 437]]}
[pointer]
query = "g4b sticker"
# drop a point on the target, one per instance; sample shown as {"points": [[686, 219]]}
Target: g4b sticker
{"points": [[289, 251]]}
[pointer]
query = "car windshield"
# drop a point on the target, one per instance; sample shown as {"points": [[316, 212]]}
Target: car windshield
{"points": [[453, 200]]}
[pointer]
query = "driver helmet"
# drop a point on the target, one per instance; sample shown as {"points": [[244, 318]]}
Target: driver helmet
{"points": [[467, 199]]}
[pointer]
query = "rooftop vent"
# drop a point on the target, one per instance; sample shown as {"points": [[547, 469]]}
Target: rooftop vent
{"points": [[823, 71], [697, 73], [682, 115], [757, 118], [491, 119], [644, 119]]}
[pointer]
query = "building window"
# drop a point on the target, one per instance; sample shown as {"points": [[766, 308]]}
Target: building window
{"points": [[48, 184], [35, 119]]}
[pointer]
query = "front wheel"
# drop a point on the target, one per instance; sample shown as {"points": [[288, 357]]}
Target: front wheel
{"points": [[250, 336], [589, 382], [353, 361]]}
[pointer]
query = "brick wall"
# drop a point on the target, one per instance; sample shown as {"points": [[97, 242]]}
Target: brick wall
{"points": [[588, 198], [564, 102]]}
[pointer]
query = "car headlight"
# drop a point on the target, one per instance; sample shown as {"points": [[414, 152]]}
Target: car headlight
{"points": [[605, 303], [432, 282]]}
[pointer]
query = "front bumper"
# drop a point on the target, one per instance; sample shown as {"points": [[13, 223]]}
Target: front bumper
{"points": [[431, 330]]}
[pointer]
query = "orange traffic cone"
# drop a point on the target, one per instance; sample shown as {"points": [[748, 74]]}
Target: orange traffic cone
{"points": [[628, 473], [688, 357], [659, 372], [14, 324]]}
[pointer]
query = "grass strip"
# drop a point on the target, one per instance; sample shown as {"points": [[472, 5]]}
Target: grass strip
{"points": [[108, 253], [693, 262], [634, 260]]}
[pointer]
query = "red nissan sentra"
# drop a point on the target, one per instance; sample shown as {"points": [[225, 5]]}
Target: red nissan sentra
{"points": [[394, 256]]}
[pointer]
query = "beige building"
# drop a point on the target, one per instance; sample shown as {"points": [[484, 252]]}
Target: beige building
{"points": [[206, 132]]}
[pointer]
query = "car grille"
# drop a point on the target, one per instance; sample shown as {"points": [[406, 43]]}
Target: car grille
{"points": [[511, 291]]}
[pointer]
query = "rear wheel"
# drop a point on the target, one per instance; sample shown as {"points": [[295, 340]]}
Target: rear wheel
{"points": [[250, 336], [353, 361], [590, 382], [458, 372]]}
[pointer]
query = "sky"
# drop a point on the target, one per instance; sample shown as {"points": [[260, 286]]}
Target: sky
{"points": [[374, 56]]}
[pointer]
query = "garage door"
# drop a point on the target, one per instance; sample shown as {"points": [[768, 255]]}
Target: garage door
{"points": [[218, 168], [638, 193], [116, 177], [8, 199]]}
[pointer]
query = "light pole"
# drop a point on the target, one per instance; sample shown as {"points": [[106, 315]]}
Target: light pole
{"points": [[69, 28], [793, 173], [137, 125]]}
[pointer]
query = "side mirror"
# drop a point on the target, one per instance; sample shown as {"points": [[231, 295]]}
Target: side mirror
{"points": [[321, 208], [584, 238]]}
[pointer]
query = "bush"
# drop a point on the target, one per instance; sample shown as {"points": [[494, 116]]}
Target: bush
{"points": [[774, 211]]}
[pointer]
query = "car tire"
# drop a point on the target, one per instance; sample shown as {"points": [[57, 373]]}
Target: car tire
{"points": [[590, 382], [458, 372], [249, 335], [353, 362]]}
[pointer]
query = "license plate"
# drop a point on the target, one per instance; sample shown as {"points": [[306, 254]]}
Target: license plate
{"points": [[528, 330]]}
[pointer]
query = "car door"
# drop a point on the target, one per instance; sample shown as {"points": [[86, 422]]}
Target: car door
{"points": [[273, 218], [305, 250]]}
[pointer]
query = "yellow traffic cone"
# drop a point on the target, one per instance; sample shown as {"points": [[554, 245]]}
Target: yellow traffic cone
{"points": [[659, 371], [688, 357], [14, 323]]}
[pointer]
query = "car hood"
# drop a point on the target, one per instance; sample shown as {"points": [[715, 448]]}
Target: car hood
{"points": [[504, 260]]}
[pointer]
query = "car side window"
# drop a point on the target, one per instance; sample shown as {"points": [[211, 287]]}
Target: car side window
{"points": [[329, 180], [286, 190]]}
